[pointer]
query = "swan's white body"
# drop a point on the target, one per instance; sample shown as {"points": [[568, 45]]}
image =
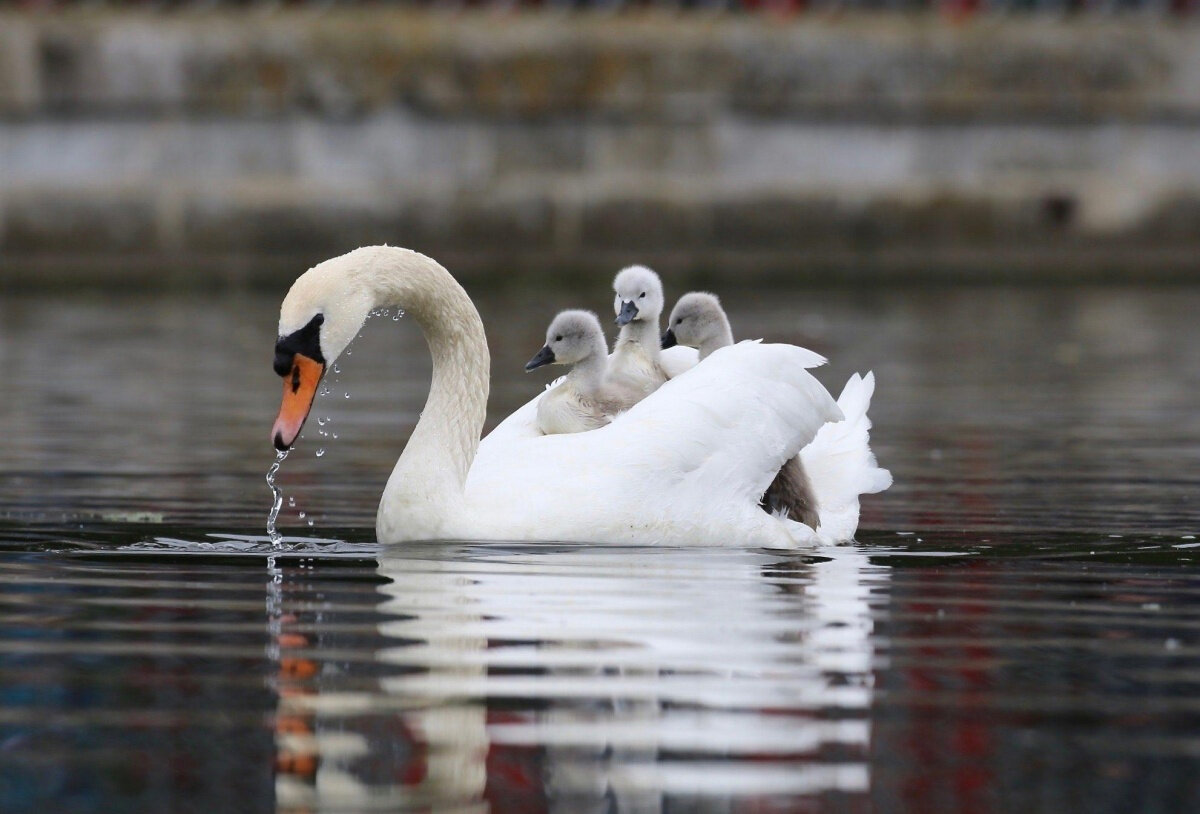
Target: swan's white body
{"points": [[685, 466]]}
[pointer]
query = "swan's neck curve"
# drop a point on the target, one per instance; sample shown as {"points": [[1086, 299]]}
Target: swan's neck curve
{"points": [[426, 487]]}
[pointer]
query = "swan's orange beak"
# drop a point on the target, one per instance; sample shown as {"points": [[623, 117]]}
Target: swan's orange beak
{"points": [[299, 390]]}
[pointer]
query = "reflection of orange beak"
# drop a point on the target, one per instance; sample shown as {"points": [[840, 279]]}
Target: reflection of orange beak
{"points": [[299, 390]]}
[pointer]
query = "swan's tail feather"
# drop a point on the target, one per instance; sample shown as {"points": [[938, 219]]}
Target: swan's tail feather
{"points": [[840, 464]]}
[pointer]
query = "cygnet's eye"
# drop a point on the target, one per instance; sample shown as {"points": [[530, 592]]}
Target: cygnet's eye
{"points": [[642, 295], [679, 321], [558, 338]]}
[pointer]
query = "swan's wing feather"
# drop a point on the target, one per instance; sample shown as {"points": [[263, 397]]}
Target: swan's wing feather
{"points": [[840, 464], [728, 426]]}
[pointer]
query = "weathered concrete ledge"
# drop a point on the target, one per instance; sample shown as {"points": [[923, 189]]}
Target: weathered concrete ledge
{"points": [[350, 62], [235, 146]]}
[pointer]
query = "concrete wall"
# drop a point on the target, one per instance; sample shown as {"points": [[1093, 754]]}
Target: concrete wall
{"points": [[243, 146]]}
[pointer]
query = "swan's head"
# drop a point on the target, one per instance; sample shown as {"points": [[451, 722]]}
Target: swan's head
{"points": [[572, 337], [697, 318], [322, 312], [639, 295]]}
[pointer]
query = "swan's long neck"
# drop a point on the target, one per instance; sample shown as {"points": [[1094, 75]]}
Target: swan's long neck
{"points": [[644, 333], [429, 479], [720, 338]]}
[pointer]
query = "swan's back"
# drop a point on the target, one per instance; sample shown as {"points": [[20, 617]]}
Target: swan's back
{"points": [[691, 459]]}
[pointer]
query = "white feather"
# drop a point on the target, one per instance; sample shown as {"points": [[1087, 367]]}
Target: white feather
{"points": [[840, 464]]}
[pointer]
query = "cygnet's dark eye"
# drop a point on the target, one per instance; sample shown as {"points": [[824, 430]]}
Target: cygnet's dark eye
{"points": [[642, 295], [679, 321], [558, 338]]}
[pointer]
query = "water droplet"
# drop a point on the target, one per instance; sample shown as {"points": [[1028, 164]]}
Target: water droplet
{"points": [[335, 436], [310, 522], [322, 420], [320, 452], [325, 391], [303, 515], [336, 369], [347, 395], [397, 317], [291, 502], [322, 433], [276, 500]]}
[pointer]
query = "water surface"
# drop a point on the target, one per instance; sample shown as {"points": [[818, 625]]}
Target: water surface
{"points": [[1015, 629]]}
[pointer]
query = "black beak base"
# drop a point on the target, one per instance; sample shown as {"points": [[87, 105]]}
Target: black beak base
{"points": [[543, 357], [306, 341], [628, 313], [668, 339]]}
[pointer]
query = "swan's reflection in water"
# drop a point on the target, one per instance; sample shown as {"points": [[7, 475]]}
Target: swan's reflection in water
{"points": [[541, 678]]}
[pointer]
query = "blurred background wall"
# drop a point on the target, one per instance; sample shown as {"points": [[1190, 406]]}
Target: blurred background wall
{"points": [[210, 144]]}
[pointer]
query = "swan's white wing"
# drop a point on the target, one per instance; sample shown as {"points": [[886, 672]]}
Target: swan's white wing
{"points": [[697, 454]]}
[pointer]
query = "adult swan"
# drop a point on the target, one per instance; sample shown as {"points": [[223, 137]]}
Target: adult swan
{"points": [[685, 466]]}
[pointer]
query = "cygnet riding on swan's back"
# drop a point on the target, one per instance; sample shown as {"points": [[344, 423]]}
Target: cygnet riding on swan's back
{"points": [[636, 369], [698, 321], [685, 466], [579, 402]]}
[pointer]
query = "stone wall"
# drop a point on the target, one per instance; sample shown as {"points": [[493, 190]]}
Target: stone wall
{"points": [[229, 146]]}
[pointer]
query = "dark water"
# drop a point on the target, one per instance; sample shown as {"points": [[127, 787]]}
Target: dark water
{"points": [[1017, 627]]}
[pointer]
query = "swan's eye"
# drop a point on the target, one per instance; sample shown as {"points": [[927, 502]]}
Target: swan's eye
{"points": [[558, 338], [642, 295]]}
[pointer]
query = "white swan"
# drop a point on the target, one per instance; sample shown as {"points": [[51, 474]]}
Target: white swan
{"points": [[579, 402], [685, 466], [699, 321]]}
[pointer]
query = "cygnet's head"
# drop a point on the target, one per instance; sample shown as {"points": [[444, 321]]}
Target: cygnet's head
{"points": [[639, 295], [696, 319], [572, 337]]}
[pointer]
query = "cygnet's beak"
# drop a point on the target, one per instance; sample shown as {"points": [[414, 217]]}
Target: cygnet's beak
{"points": [[629, 312], [668, 339], [299, 390], [543, 357]]}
